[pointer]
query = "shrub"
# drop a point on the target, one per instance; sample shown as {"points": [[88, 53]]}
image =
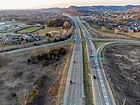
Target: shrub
{"points": [[55, 40], [33, 62], [55, 53], [62, 51], [40, 81], [14, 95], [39, 57], [57, 58], [31, 96], [48, 55], [45, 63], [45, 56], [48, 34], [28, 60]]}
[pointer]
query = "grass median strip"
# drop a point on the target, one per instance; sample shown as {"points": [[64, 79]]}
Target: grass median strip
{"points": [[99, 43], [81, 31], [86, 78]]}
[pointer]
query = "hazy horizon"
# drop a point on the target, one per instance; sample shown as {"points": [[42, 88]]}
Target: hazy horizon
{"points": [[32, 4]]}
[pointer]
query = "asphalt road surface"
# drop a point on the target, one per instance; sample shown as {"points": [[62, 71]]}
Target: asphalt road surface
{"points": [[100, 86], [74, 92]]}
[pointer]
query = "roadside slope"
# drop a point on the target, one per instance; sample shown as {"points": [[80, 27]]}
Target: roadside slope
{"points": [[122, 67]]}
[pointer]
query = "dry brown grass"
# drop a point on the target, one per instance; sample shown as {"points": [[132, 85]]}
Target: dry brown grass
{"points": [[4, 60]]}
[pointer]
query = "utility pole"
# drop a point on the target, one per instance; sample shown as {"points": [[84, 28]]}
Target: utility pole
{"points": [[124, 101]]}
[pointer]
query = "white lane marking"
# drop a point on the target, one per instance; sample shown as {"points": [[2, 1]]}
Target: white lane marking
{"points": [[99, 75], [105, 97], [104, 94], [99, 72], [103, 90], [106, 101], [101, 80], [103, 87], [102, 84]]}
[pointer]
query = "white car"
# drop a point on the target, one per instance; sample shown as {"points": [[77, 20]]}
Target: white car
{"points": [[92, 55]]}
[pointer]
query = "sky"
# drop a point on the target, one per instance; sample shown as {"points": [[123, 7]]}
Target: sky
{"points": [[29, 4]]}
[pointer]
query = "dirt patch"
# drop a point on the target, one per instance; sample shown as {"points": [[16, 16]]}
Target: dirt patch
{"points": [[31, 84], [122, 67]]}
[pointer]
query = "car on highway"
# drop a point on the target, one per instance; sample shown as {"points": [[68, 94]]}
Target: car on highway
{"points": [[92, 55], [70, 82], [94, 77]]}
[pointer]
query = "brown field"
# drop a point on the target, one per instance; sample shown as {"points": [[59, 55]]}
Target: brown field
{"points": [[122, 67], [31, 84]]}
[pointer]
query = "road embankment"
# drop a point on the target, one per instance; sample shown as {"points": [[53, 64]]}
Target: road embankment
{"points": [[121, 64]]}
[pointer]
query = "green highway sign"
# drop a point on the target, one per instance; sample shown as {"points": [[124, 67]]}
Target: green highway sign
{"points": [[95, 58], [100, 59]]}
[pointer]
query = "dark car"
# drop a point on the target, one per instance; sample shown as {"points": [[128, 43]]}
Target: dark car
{"points": [[70, 82], [94, 77]]}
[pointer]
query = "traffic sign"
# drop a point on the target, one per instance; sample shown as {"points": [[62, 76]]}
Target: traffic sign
{"points": [[95, 58], [100, 59]]}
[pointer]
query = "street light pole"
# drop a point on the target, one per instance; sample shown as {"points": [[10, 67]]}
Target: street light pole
{"points": [[124, 101]]}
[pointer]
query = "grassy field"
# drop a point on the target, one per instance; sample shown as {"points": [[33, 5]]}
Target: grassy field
{"points": [[29, 30], [97, 32], [99, 43], [2, 45], [130, 35], [48, 29], [41, 31], [12, 29], [95, 26], [20, 24], [99, 28]]}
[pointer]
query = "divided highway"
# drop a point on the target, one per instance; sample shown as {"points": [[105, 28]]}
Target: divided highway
{"points": [[101, 90], [74, 93]]}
